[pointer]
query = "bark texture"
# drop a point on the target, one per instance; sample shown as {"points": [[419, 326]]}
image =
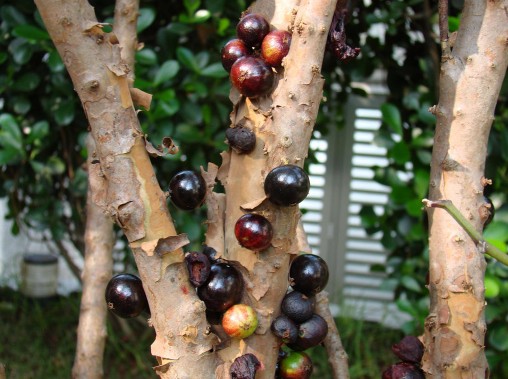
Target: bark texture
{"points": [[97, 270], [128, 190], [471, 77], [283, 124]]}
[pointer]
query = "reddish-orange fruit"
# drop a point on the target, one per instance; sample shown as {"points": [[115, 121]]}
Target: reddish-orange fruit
{"points": [[275, 47], [252, 76], [240, 321]]}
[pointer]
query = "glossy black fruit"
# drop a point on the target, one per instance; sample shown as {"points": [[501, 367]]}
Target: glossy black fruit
{"points": [[297, 306], [275, 47], [210, 252], [187, 190], [310, 333], [251, 29], [253, 232], [284, 328], [287, 185], [232, 51], [223, 289], [242, 140], [125, 296], [308, 274], [252, 76]]}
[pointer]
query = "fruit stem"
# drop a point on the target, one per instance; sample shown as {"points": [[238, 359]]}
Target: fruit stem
{"points": [[484, 246]]}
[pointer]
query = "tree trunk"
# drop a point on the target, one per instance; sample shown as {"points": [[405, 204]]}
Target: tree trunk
{"points": [[471, 78], [99, 242]]}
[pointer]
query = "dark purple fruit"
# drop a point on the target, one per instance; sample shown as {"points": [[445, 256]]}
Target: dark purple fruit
{"points": [[198, 266], [251, 29], [242, 140], [232, 51], [223, 289], [245, 367], [125, 296], [287, 185], [297, 306], [284, 328], [403, 370], [308, 274], [210, 252], [213, 318], [310, 333], [275, 47], [187, 190], [296, 365], [409, 349], [252, 76], [253, 232]]}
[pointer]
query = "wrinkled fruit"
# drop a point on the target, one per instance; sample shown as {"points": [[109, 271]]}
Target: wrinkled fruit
{"points": [[491, 209], [242, 140], [251, 29], [285, 329], [310, 333], [245, 367], [240, 321], [297, 306], [198, 266], [308, 274], [287, 185], [275, 47], [253, 232], [403, 370], [252, 76], [409, 349], [187, 190], [296, 365], [223, 289], [232, 51], [125, 296]]}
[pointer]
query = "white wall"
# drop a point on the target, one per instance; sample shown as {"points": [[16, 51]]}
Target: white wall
{"points": [[12, 250]]}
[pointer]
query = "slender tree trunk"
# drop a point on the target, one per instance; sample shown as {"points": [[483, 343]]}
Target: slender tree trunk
{"points": [[471, 78], [99, 241]]}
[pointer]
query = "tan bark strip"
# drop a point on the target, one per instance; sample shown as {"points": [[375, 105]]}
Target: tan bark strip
{"points": [[283, 124], [133, 196], [98, 266], [470, 82], [125, 23]]}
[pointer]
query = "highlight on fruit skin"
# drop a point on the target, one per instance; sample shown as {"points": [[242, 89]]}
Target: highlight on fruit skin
{"points": [[252, 29], [296, 365], [308, 274], [125, 296], [240, 321], [275, 47], [223, 288], [252, 76], [287, 185]]}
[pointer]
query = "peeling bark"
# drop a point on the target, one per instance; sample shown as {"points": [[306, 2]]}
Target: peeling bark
{"points": [[129, 192], [471, 77], [98, 267]]}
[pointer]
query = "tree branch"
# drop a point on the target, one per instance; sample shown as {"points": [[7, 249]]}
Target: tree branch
{"points": [[443, 29]]}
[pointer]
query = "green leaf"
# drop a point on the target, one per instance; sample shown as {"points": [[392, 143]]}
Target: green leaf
{"points": [[55, 165], [10, 126], [187, 58], [146, 57], [498, 337], [21, 104], [38, 131], [392, 118], [55, 63], [64, 114], [12, 16], [27, 82], [9, 156], [492, 286], [497, 234], [453, 23], [215, 70], [21, 51], [400, 153], [191, 5], [406, 306], [145, 19], [167, 71], [369, 219], [30, 32]]}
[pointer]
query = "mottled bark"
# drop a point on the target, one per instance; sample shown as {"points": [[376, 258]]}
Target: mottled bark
{"points": [[471, 78], [97, 270]]}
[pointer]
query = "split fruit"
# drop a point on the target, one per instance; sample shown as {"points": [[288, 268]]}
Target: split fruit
{"points": [[403, 370], [187, 190], [287, 185], [241, 139], [296, 365], [198, 266], [240, 321], [223, 289], [308, 274], [125, 296], [253, 232]]}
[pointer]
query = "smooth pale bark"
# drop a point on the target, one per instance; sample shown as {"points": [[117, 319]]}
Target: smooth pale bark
{"points": [[471, 78], [97, 270]]}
